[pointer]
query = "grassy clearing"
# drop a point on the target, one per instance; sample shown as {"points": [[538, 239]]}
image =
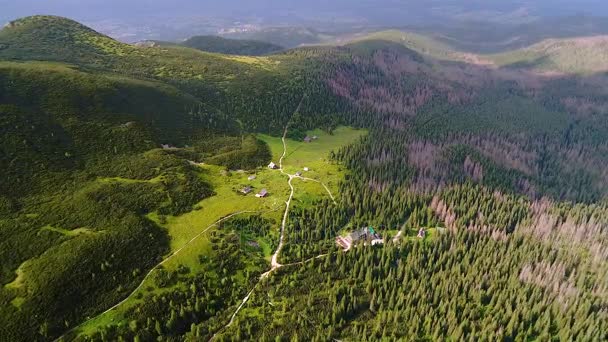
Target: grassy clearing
{"points": [[227, 200], [185, 230], [315, 156], [307, 192]]}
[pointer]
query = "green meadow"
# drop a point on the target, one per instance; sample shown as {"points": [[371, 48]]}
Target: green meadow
{"points": [[191, 232]]}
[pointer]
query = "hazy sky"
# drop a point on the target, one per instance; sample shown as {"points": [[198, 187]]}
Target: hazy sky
{"points": [[103, 9]]}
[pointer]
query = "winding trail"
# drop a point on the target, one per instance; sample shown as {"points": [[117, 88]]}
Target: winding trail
{"points": [[155, 268], [275, 265], [274, 262], [239, 308], [323, 184]]}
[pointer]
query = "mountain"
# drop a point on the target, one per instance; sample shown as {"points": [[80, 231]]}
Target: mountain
{"points": [[586, 55], [124, 213], [488, 38], [573, 55], [41, 37], [422, 44]]}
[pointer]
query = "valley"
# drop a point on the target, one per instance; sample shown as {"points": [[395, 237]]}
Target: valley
{"points": [[189, 245], [163, 192]]}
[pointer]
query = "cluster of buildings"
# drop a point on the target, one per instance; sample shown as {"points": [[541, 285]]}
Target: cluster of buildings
{"points": [[367, 234], [274, 166], [264, 193], [249, 189]]}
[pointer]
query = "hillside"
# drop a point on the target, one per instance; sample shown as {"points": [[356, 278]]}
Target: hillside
{"points": [[44, 37], [586, 55], [483, 37], [226, 83], [128, 207], [423, 45], [573, 55]]}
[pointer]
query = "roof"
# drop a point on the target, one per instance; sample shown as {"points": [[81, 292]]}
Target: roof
{"points": [[263, 192]]}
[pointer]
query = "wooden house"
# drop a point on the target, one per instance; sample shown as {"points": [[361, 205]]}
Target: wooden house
{"points": [[262, 194]]}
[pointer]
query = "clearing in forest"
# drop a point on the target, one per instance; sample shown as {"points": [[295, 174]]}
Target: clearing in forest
{"points": [[191, 233]]}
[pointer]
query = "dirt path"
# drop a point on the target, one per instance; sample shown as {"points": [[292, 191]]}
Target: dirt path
{"points": [[274, 262], [240, 307], [307, 260], [155, 268], [323, 184]]}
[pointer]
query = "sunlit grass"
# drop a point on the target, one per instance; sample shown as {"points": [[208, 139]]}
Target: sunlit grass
{"points": [[185, 230]]}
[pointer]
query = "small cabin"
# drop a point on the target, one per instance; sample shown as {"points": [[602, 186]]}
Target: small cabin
{"points": [[299, 174], [314, 137], [307, 139], [247, 190], [306, 169], [262, 194], [272, 166], [252, 177]]}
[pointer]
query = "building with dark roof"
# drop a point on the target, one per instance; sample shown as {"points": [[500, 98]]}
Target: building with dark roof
{"points": [[262, 194]]}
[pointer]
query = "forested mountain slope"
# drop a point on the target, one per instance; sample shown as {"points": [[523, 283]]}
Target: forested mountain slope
{"points": [[509, 164]]}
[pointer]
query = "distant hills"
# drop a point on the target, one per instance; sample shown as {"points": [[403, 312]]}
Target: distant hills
{"points": [[216, 44], [568, 55], [579, 55], [485, 38], [231, 46]]}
